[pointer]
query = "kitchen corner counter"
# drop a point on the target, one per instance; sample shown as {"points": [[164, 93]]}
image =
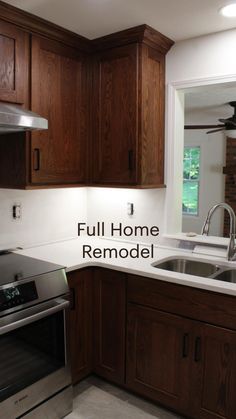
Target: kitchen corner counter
{"points": [[69, 254]]}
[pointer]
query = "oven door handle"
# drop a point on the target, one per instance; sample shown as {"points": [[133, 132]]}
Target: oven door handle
{"points": [[32, 314]]}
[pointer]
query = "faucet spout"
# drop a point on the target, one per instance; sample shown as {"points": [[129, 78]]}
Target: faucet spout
{"points": [[231, 250]]}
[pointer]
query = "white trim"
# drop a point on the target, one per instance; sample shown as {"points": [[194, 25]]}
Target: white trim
{"points": [[205, 81], [174, 140]]}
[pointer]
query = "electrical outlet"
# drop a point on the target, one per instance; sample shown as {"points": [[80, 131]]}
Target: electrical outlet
{"points": [[16, 212], [130, 208]]}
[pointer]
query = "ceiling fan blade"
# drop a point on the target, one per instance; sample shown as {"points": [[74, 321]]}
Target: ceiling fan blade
{"points": [[227, 122], [202, 126], [215, 130]]}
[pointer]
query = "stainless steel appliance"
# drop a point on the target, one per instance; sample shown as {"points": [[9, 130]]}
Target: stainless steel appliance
{"points": [[35, 379], [14, 118]]}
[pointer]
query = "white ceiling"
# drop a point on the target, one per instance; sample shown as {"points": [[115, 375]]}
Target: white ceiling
{"points": [[177, 19], [208, 103], [216, 95]]}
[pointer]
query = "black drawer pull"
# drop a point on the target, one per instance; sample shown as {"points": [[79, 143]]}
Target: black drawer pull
{"points": [[36, 163], [197, 352], [185, 345], [131, 160]]}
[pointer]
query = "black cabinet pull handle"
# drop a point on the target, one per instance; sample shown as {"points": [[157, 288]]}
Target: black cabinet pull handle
{"points": [[72, 298], [131, 160], [197, 352], [36, 159], [185, 345]]}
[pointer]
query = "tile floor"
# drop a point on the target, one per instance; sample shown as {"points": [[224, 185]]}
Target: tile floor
{"points": [[96, 399]]}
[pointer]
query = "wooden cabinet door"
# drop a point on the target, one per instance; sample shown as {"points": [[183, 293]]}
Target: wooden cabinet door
{"points": [[152, 142], [109, 324], [115, 114], [14, 63], [80, 323], [59, 88], [159, 347], [214, 372]]}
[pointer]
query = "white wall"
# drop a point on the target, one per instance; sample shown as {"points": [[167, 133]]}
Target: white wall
{"points": [[205, 56], [205, 60], [47, 215], [212, 185], [110, 205]]}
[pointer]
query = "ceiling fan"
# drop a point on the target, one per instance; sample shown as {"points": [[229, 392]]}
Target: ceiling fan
{"points": [[228, 124]]}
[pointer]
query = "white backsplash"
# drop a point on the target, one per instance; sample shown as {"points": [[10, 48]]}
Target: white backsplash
{"points": [[47, 215], [110, 205], [53, 214]]}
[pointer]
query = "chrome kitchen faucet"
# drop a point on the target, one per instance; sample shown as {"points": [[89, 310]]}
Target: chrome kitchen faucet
{"points": [[231, 250]]}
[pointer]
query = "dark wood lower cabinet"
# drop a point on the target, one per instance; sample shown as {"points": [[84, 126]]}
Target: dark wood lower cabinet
{"points": [[109, 312], [158, 356], [80, 323], [184, 364], [214, 373], [97, 323], [151, 337]]}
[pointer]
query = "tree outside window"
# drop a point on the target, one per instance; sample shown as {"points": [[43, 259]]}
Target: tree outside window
{"points": [[191, 179]]}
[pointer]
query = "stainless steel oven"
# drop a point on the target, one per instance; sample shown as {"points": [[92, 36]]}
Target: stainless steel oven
{"points": [[35, 378]]}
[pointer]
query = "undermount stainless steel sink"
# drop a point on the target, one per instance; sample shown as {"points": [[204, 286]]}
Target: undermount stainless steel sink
{"points": [[188, 266], [226, 276], [198, 268]]}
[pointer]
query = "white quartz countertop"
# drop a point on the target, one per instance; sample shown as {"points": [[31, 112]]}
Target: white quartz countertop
{"points": [[69, 253]]}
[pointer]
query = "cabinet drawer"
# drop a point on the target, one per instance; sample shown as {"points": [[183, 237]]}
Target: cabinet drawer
{"points": [[210, 307]]}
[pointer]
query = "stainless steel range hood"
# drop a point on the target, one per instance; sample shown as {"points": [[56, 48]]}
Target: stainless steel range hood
{"points": [[13, 118]]}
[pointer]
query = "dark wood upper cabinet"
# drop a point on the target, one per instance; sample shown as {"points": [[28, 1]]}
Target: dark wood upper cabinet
{"points": [[116, 110], [14, 89], [128, 108], [59, 93], [151, 142], [14, 64], [109, 324], [104, 101]]}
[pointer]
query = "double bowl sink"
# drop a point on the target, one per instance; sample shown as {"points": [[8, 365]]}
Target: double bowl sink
{"points": [[198, 268]]}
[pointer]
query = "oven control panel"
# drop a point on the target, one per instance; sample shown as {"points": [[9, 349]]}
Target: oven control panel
{"points": [[17, 295]]}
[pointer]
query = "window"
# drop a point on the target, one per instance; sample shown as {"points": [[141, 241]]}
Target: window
{"points": [[190, 200]]}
